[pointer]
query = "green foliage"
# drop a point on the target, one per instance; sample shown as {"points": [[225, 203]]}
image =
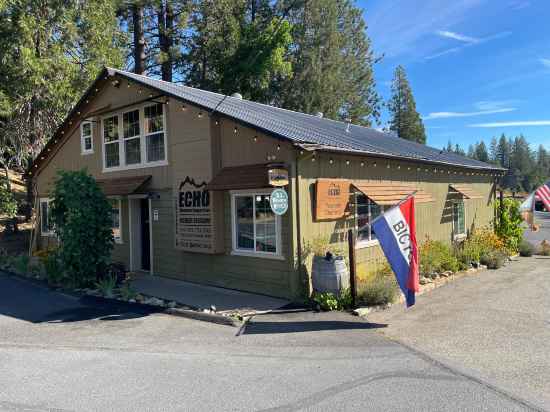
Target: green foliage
{"points": [[508, 223], [8, 204], [544, 248], [526, 249], [54, 269], [21, 264], [493, 260], [106, 286], [380, 289], [436, 257], [327, 301], [82, 216], [405, 120], [126, 291]]}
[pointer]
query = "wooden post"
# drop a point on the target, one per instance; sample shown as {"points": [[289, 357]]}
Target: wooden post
{"points": [[352, 267], [501, 207]]}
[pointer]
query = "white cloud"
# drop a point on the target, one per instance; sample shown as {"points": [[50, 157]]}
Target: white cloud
{"points": [[519, 4], [447, 115], [512, 124], [545, 62], [457, 36], [468, 42]]}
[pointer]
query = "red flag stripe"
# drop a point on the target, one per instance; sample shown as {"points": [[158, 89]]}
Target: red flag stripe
{"points": [[544, 193]]}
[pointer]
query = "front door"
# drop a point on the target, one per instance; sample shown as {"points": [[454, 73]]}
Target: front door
{"points": [[145, 235]]}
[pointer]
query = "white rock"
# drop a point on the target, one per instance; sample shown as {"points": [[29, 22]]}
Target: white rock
{"points": [[132, 301], [361, 311], [172, 304]]}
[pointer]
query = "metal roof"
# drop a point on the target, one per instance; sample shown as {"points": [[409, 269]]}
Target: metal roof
{"points": [[307, 131]]}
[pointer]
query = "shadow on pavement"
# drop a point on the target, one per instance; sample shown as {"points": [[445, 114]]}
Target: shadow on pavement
{"points": [[261, 327], [31, 302]]}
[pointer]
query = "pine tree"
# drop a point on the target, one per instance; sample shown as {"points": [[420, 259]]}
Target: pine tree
{"points": [[503, 152], [480, 152], [332, 62], [493, 151], [405, 120]]}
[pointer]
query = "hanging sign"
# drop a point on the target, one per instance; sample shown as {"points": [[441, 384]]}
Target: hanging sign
{"points": [[278, 201], [194, 223], [277, 176], [331, 198]]}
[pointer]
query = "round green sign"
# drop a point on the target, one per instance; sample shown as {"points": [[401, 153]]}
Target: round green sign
{"points": [[279, 201]]}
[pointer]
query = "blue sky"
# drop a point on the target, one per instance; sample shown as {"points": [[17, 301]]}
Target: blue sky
{"points": [[478, 68]]}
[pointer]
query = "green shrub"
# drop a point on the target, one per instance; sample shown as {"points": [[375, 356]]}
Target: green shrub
{"points": [[21, 264], [526, 249], [82, 217], [381, 289], [508, 224], [436, 257], [53, 269], [327, 301], [106, 286], [493, 260], [8, 204], [544, 248], [126, 292]]}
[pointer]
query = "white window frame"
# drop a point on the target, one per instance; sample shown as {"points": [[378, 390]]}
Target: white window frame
{"points": [[363, 243], [118, 240], [142, 136], [85, 151], [456, 235], [50, 232], [278, 221]]}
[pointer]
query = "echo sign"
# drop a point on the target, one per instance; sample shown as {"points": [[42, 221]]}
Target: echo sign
{"points": [[279, 201]]}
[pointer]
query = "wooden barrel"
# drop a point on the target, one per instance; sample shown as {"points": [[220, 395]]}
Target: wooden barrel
{"points": [[329, 275]]}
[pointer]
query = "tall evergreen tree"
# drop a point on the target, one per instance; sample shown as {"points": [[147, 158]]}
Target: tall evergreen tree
{"points": [[493, 150], [480, 152], [405, 120]]}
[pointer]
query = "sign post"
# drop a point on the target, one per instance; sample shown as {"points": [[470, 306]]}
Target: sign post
{"points": [[352, 268]]}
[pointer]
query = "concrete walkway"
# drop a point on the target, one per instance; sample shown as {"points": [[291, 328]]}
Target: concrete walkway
{"points": [[203, 297]]}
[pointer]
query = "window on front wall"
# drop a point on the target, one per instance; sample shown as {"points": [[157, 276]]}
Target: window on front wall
{"points": [[255, 226], [135, 138], [46, 226], [86, 137], [366, 211], [458, 218], [116, 217]]}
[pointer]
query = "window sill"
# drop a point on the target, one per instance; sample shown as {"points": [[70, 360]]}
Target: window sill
{"points": [[366, 244], [137, 166], [257, 255]]}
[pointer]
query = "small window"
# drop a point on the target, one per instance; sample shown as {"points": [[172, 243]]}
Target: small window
{"points": [[365, 212], [116, 216], [255, 227], [154, 133], [46, 225], [459, 228], [86, 139], [110, 138], [132, 139]]}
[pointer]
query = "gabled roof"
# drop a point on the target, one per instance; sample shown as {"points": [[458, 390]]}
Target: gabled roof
{"points": [[306, 131]]}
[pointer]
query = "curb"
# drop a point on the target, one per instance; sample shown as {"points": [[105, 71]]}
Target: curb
{"points": [[203, 316]]}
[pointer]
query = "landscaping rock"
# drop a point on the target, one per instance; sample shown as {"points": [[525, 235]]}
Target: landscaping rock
{"points": [[132, 301], [446, 274], [172, 304], [361, 312], [425, 280]]}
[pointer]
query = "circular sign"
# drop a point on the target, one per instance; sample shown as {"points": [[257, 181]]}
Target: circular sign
{"points": [[279, 201]]}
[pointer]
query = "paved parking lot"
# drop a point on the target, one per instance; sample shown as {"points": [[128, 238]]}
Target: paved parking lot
{"points": [[58, 353]]}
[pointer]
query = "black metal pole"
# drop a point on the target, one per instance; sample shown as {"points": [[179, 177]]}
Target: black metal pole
{"points": [[352, 267]]}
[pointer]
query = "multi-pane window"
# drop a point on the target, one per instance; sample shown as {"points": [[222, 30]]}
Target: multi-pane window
{"points": [[86, 137], [132, 139], [154, 133], [256, 227], [46, 226], [116, 216], [366, 211], [459, 227], [111, 141], [135, 138]]}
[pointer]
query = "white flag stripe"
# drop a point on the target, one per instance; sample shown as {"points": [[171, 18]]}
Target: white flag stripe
{"points": [[395, 218], [544, 192]]}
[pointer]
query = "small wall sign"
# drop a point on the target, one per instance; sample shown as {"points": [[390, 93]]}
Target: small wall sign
{"points": [[331, 198], [279, 201], [155, 215]]}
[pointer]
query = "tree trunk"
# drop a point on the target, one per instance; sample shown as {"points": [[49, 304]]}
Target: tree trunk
{"points": [[139, 39], [165, 16]]}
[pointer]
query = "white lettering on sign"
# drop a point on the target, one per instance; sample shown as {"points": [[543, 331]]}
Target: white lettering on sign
{"points": [[400, 230]]}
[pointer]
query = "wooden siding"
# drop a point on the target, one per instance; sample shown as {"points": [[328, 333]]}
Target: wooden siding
{"points": [[433, 219]]}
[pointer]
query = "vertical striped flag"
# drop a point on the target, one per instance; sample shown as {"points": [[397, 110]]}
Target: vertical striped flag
{"points": [[543, 193]]}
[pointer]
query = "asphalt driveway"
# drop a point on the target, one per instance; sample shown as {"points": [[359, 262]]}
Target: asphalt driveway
{"points": [[494, 326], [116, 359]]}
